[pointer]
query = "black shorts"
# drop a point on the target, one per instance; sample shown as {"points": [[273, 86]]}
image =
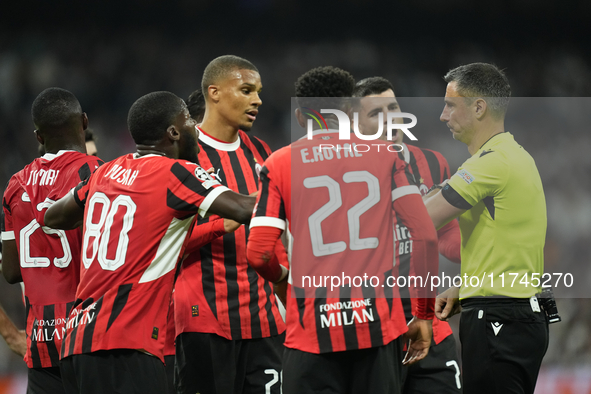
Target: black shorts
{"points": [[169, 368], [113, 371], [503, 344], [45, 381], [376, 370], [210, 364], [438, 373]]}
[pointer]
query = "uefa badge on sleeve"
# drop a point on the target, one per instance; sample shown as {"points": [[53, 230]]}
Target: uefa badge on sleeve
{"points": [[206, 180]]}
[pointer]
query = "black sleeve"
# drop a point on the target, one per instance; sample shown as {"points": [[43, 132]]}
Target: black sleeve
{"points": [[453, 197]]}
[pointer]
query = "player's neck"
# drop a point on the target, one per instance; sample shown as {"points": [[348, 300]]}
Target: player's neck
{"points": [[143, 150], [215, 126], [482, 136], [55, 148]]}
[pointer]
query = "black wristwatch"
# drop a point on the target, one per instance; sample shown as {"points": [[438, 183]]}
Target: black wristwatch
{"points": [[434, 187]]}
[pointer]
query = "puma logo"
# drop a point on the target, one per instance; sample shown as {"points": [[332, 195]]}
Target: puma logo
{"points": [[217, 175]]}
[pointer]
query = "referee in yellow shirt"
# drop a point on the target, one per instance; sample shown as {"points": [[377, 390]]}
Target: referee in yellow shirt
{"points": [[498, 196]]}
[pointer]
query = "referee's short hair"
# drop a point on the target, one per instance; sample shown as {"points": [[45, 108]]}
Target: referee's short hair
{"points": [[482, 80]]}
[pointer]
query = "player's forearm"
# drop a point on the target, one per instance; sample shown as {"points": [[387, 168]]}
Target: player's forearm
{"points": [[7, 328], [233, 206], [64, 214], [261, 255], [11, 268], [449, 241], [204, 233], [424, 257]]}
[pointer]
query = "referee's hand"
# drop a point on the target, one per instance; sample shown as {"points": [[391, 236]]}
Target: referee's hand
{"points": [[447, 303]]}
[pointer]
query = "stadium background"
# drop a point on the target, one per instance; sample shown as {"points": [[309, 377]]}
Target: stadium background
{"points": [[112, 52]]}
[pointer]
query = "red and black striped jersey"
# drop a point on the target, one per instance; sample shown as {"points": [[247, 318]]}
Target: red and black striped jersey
{"points": [[49, 259], [138, 212], [202, 234], [429, 168], [336, 204], [216, 290]]}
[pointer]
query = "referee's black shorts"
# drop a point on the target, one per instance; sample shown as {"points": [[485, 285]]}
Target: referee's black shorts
{"points": [[375, 370], [503, 343], [113, 371]]}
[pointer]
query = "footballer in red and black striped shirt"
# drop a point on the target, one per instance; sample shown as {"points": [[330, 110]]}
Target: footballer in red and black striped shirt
{"points": [[137, 211], [225, 313], [335, 204], [46, 260], [429, 168]]}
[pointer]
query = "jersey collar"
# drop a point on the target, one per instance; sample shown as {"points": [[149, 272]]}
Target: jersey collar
{"points": [[217, 144], [318, 132], [51, 156], [488, 140]]}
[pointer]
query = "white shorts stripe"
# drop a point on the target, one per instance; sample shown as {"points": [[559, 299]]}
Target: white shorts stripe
{"points": [[267, 221], [204, 207], [404, 191]]}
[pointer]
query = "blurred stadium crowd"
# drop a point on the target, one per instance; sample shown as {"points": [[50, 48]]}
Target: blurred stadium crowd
{"points": [[108, 74]]}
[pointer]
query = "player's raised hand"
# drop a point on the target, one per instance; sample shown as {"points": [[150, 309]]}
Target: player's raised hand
{"points": [[447, 303], [419, 335]]}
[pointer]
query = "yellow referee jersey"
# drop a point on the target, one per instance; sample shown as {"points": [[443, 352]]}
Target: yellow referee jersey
{"points": [[503, 234]]}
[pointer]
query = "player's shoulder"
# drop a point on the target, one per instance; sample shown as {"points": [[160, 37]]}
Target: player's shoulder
{"points": [[427, 153], [257, 143], [14, 184], [279, 156]]}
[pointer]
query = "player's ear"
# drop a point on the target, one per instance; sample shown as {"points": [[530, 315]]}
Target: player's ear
{"points": [[300, 118], [84, 121], [172, 133], [213, 92], [40, 138]]}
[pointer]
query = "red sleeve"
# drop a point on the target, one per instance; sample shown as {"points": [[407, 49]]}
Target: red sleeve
{"points": [[281, 254], [424, 257], [81, 192], [7, 225], [261, 254], [204, 233], [450, 241]]}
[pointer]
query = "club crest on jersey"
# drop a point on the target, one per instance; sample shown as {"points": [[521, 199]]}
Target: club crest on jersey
{"points": [[423, 188], [466, 176]]}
